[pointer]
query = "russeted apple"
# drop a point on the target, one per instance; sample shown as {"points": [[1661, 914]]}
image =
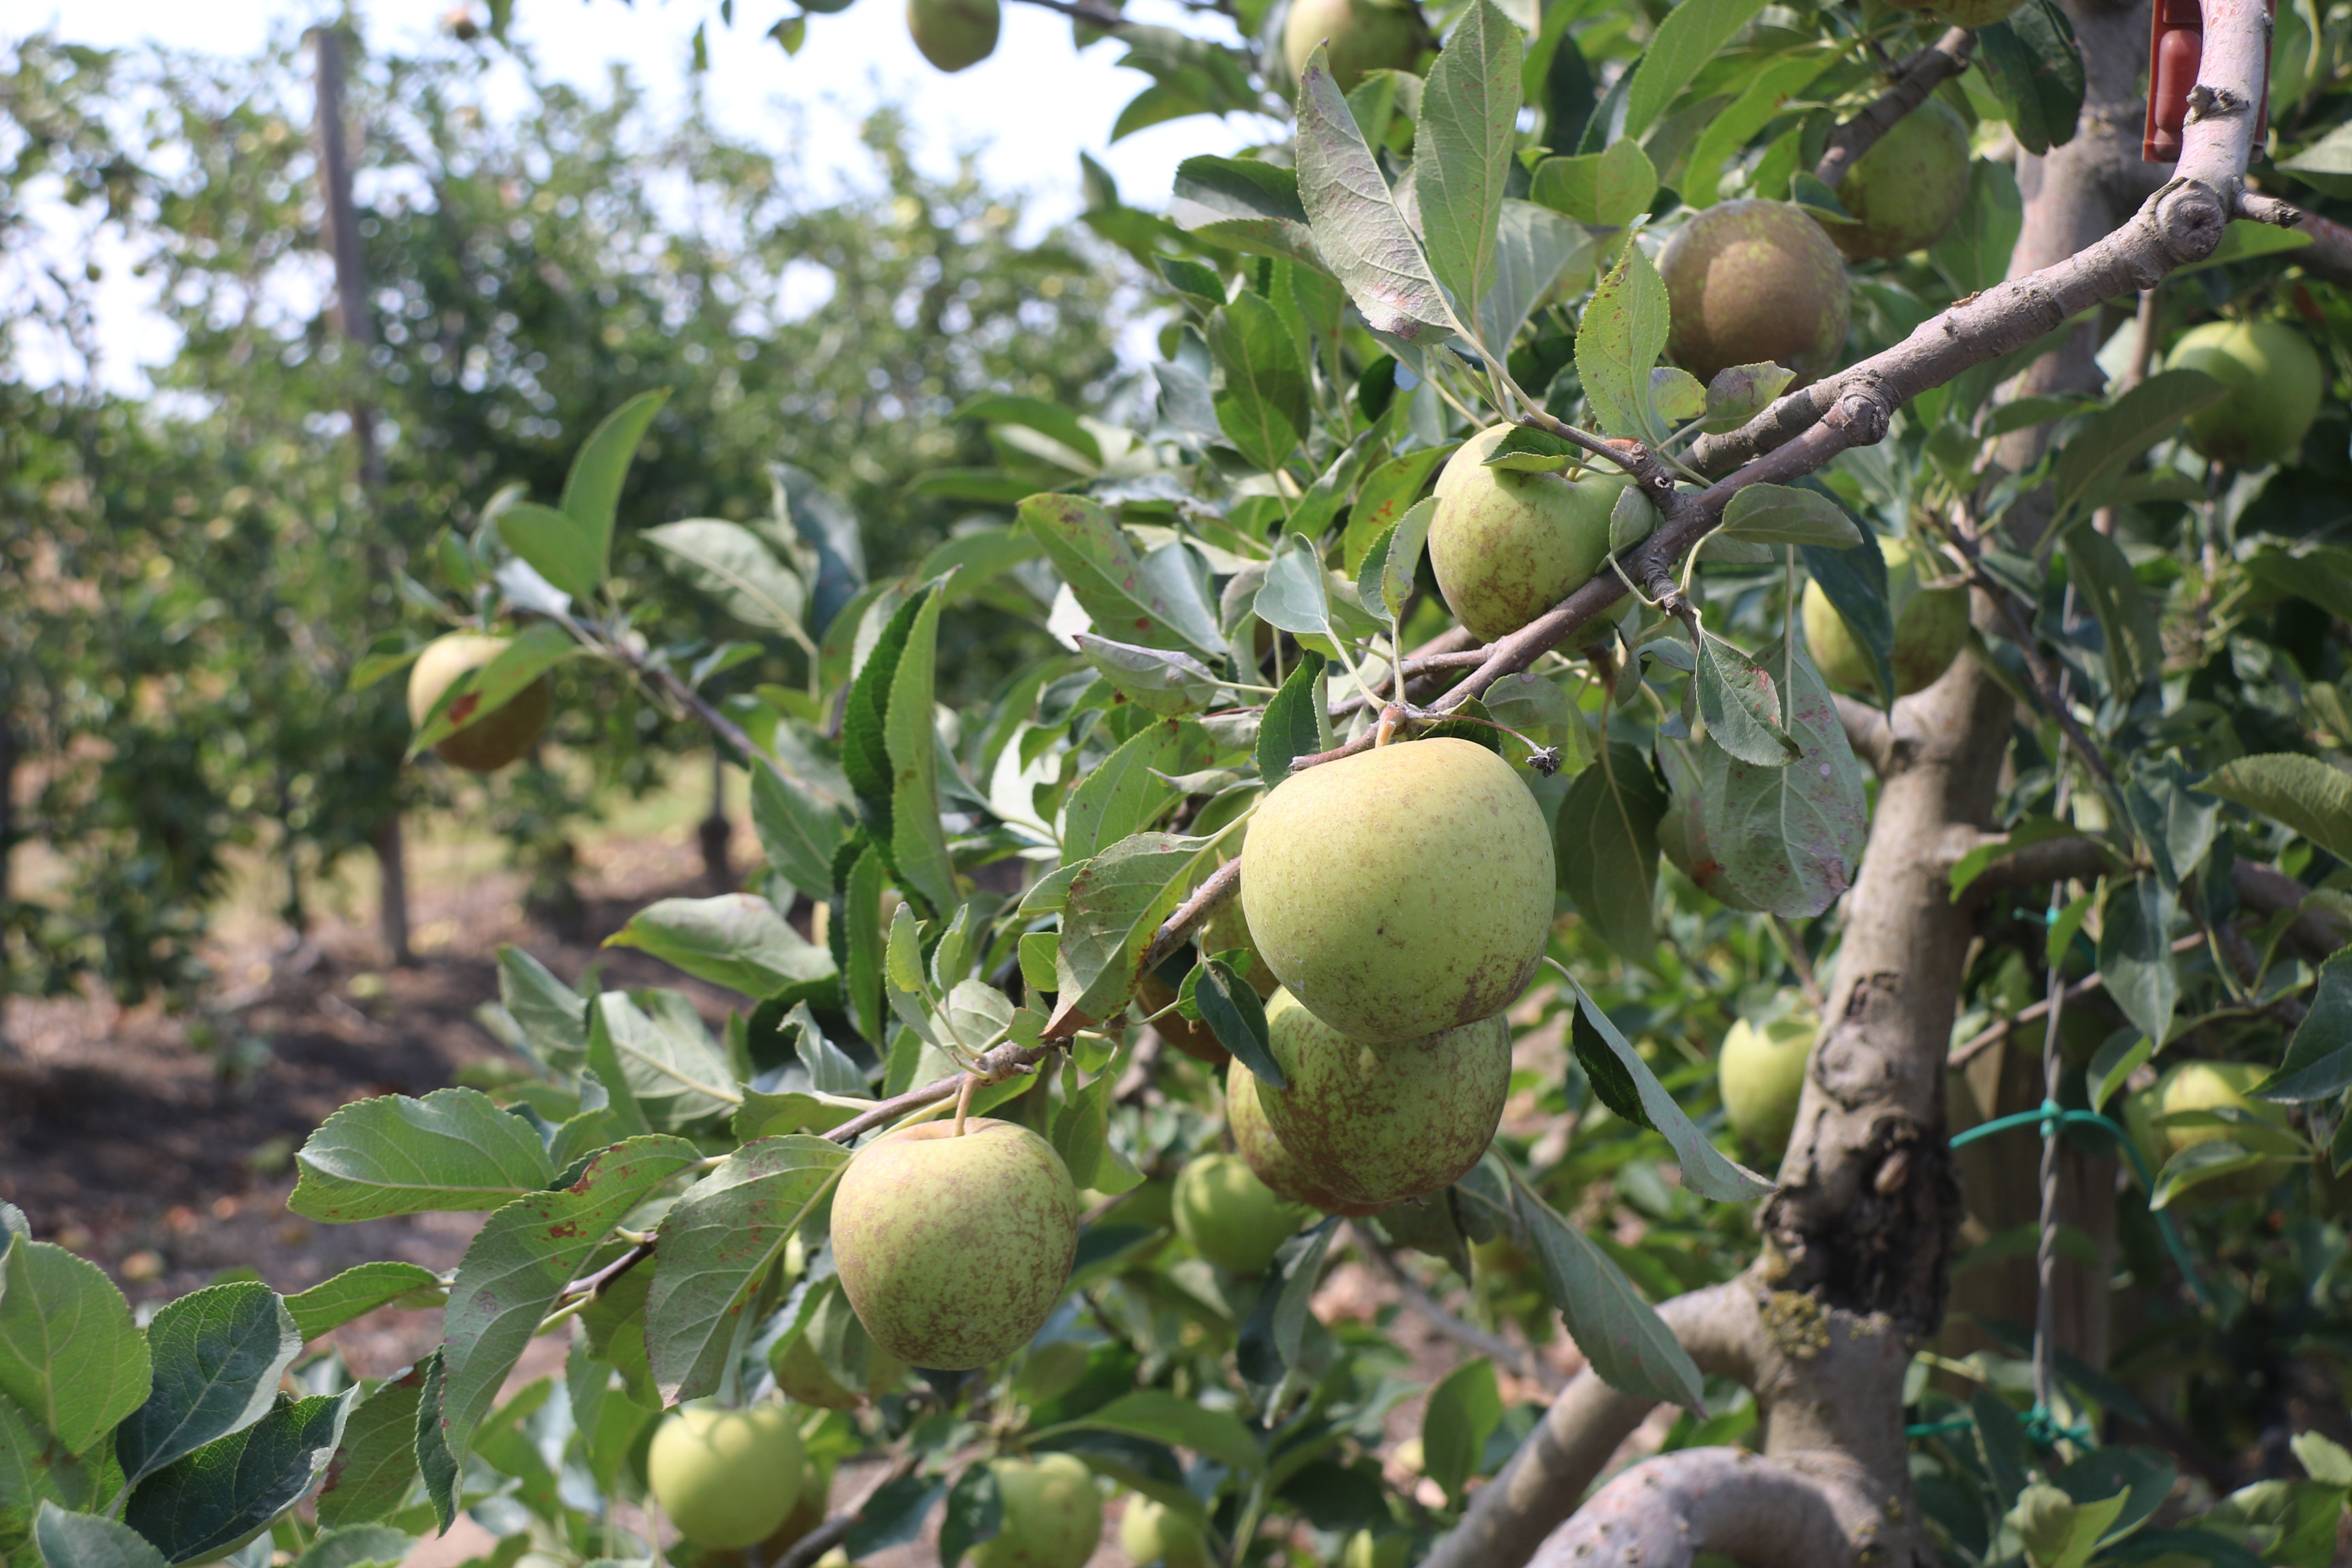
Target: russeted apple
{"points": [[1264, 1154], [1907, 190], [2276, 384], [1931, 626], [1761, 1072], [2194, 1087], [1364, 35], [953, 1249], [1753, 281], [1053, 1515], [498, 736], [1378, 1125], [1402, 890], [726, 1478], [1232, 1218], [1508, 545], [955, 35], [1150, 1532]]}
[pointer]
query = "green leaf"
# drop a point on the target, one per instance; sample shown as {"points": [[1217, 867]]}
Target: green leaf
{"points": [[2136, 954], [1788, 839], [1329, 493], [1707, 1170], [1274, 1341], [354, 1545], [1462, 150], [2319, 1064], [1782, 514], [69, 1352], [1620, 338], [523, 660], [2117, 434], [1402, 562], [1533, 246], [2199, 1163], [1740, 393], [2113, 1063], [1607, 846], [217, 1354], [2304, 793], [2057, 1531], [515, 1269], [1741, 704], [1294, 597], [552, 1016], [1044, 417], [355, 1292], [1093, 556], [1388, 493], [1165, 1416], [1686, 40], [89, 1541], [1526, 450], [1262, 402], [716, 1245], [565, 552], [858, 943], [218, 1496], [665, 1056], [1231, 1008], [1856, 584], [1358, 229], [1973, 254], [2324, 1461], [591, 491], [799, 829], [1676, 395], [396, 1155], [1291, 726], [1113, 909], [2035, 67], [2176, 820], [736, 568], [1608, 189], [1129, 790], [2100, 572], [1161, 681], [736, 940], [1622, 1335], [1463, 1412], [1240, 187], [975, 1513], [1082, 1134], [36, 1467], [434, 1465]]}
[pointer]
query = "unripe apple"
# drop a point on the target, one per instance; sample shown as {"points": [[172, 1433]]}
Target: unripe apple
{"points": [[497, 737], [1754, 281], [726, 1478], [1508, 545], [1379, 1124], [955, 34], [1402, 890], [1364, 35], [1761, 1072], [802, 1375], [1231, 1217], [1931, 626], [1053, 1515], [1908, 187], [1365, 1550], [2276, 384], [954, 1249], [1264, 1154], [1149, 1532], [2207, 1086]]}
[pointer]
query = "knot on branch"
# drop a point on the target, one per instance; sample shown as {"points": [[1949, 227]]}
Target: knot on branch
{"points": [[2190, 216], [1862, 414]]}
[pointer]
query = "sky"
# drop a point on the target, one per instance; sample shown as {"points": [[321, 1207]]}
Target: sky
{"points": [[1027, 111]]}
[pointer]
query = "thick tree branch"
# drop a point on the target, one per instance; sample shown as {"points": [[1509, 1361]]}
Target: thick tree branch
{"points": [[2316, 934], [1914, 78], [2052, 860], [1868, 732], [1768, 1513]]}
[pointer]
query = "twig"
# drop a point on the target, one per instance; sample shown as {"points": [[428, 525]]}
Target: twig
{"points": [[1914, 78], [1224, 884], [1962, 1055], [1517, 1362], [835, 1529], [594, 1284]]}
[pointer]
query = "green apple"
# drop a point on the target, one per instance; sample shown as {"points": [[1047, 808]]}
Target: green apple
{"points": [[2207, 1086], [1402, 890], [1232, 1218], [1365, 1550], [1151, 1532], [1264, 1154], [955, 35], [1364, 35], [1761, 1072], [726, 1478], [1751, 282], [1907, 190], [1931, 626], [496, 738], [1508, 545], [953, 1249], [1378, 1125], [2276, 384], [1053, 1515]]}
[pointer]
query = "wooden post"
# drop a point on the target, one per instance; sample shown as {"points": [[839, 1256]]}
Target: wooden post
{"points": [[342, 238]]}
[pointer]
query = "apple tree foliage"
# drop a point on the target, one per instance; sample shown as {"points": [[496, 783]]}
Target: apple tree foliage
{"points": [[1209, 588]]}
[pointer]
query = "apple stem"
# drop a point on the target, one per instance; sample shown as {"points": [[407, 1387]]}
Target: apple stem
{"points": [[964, 1101]]}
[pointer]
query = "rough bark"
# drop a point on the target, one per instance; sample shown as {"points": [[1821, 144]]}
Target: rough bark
{"points": [[1814, 1513]]}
